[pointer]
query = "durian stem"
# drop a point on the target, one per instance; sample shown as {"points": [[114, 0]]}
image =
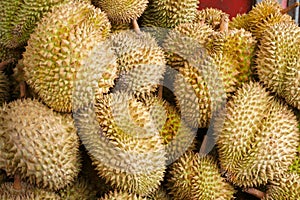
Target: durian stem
{"points": [[255, 192], [203, 145], [224, 23], [17, 182], [3, 64], [291, 7], [136, 26], [160, 91], [22, 89]]}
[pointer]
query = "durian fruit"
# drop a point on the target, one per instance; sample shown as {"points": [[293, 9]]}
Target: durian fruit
{"points": [[258, 138], [19, 18], [278, 61], [122, 11], [141, 62], [61, 43], [81, 189], [120, 27], [133, 136], [118, 195], [285, 187], [211, 17], [8, 191], [264, 14], [4, 88], [39, 144], [239, 22], [197, 177]]}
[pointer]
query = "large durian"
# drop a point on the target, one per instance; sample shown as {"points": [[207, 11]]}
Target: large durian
{"points": [[39, 144], [122, 11], [59, 47], [197, 177], [4, 88], [258, 139], [278, 61]]}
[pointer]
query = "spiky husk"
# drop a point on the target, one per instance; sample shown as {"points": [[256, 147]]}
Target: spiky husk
{"points": [[122, 11], [286, 187], [4, 88], [118, 195], [211, 17], [140, 60], [58, 47], [197, 177], [39, 143], [159, 194], [27, 192], [240, 21], [258, 139]]}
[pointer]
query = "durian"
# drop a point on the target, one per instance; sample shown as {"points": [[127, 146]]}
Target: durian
{"points": [[211, 17], [278, 61], [58, 48], [122, 11], [258, 139], [118, 195], [39, 144], [197, 177], [4, 88]]}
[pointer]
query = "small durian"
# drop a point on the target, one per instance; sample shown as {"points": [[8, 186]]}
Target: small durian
{"points": [[122, 11], [211, 17], [258, 139], [4, 88], [285, 187], [121, 195], [194, 176], [58, 48], [278, 61], [39, 144], [141, 62]]}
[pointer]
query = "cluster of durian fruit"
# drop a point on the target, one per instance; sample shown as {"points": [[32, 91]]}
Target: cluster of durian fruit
{"points": [[84, 114]]}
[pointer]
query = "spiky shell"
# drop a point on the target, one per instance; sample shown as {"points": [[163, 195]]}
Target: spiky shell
{"points": [[141, 62], [160, 194], [122, 11], [258, 139], [286, 187], [57, 49], [118, 195], [264, 14], [197, 177], [27, 192], [4, 88], [239, 22], [40, 144], [278, 61], [211, 17]]}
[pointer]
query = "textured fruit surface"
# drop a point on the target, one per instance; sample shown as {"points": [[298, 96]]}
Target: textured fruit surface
{"points": [[210, 16], [239, 22], [278, 61], [40, 144], [118, 195], [57, 49], [197, 177], [121, 11], [258, 139], [4, 88]]}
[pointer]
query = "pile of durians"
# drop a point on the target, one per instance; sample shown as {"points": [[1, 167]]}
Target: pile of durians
{"points": [[138, 99]]}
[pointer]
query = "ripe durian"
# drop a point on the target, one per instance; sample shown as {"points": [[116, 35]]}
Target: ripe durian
{"points": [[19, 18], [141, 62], [197, 177], [285, 187], [122, 11], [278, 61], [39, 144], [264, 14], [211, 17], [4, 88], [58, 48], [129, 128], [258, 139], [118, 195], [8, 191]]}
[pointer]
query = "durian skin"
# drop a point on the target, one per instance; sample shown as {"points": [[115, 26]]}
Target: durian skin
{"points": [[197, 177], [122, 11], [258, 139], [118, 195], [4, 88], [57, 49], [27, 192], [278, 61], [286, 187], [211, 17], [39, 144]]}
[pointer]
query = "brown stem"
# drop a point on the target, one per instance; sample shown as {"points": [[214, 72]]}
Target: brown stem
{"points": [[136, 26], [224, 23], [22, 89], [160, 91], [3, 64], [17, 182], [255, 192], [291, 7], [203, 145]]}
